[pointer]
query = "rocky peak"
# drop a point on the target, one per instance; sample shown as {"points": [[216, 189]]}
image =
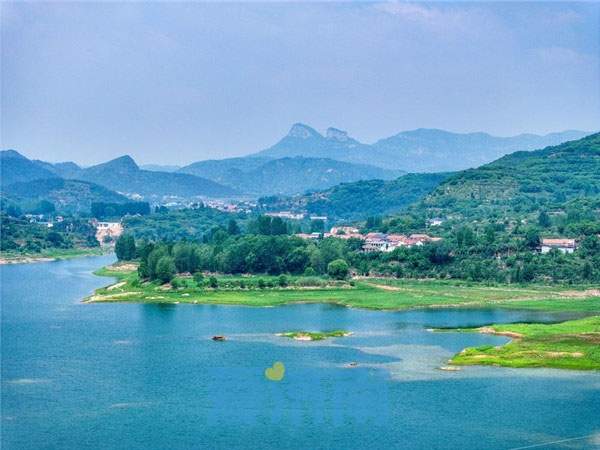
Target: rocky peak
{"points": [[337, 135], [123, 164], [299, 130]]}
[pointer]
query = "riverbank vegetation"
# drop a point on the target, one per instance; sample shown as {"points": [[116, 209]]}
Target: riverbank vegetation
{"points": [[573, 344], [23, 238], [370, 293]]}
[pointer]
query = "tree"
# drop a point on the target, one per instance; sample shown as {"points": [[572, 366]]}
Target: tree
{"points": [[465, 237], [44, 207], [143, 269], [278, 226], [338, 269], [532, 238], [317, 226], [213, 282], [233, 228], [165, 269], [544, 220], [282, 281], [153, 258], [373, 222], [198, 278], [55, 238], [125, 248], [297, 260]]}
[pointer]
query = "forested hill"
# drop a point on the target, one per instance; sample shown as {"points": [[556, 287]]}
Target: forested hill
{"points": [[361, 199], [285, 176], [553, 178]]}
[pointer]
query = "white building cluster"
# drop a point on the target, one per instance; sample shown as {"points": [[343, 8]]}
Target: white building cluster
{"points": [[374, 242]]}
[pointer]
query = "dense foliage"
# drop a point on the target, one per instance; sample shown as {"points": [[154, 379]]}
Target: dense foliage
{"points": [[19, 235], [102, 210], [352, 201], [464, 254], [265, 176], [196, 223], [559, 180]]}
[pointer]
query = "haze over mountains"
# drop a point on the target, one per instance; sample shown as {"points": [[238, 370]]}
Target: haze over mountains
{"points": [[308, 160], [302, 161], [421, 150], [287, 175]]}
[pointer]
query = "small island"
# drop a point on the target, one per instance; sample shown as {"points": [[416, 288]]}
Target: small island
{"points": [[314, 335]]}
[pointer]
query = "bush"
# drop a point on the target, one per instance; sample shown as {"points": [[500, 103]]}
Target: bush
{"points": [[213, 282], [282, 281], [338, 269], [198, 278], [310, 272]]}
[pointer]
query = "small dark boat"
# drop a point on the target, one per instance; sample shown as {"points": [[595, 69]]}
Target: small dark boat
{"points": [[218, 338]]}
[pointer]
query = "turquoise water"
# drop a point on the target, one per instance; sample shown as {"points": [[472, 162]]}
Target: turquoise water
{"points": [[128, 376]]}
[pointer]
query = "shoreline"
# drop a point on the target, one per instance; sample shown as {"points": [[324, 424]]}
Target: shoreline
{"points": [[568, 345], [414, 295], [59, 256]]}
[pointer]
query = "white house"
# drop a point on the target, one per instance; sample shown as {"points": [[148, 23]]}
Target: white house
{"points": [[562, 245]]}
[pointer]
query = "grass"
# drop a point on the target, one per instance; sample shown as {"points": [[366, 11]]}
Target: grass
{"points": [[574, 344], [314, 335], [51, 253], [370, 294]]}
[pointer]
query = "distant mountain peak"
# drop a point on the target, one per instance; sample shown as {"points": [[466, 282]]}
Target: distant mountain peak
{"points": [[122, 163], [302, 131], [336, 134], [10, 153]]}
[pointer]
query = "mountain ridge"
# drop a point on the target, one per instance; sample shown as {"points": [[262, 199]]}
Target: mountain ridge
{"points": [[419, 150]]}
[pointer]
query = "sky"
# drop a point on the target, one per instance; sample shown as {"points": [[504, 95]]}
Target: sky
{"points": [[172, 83]]}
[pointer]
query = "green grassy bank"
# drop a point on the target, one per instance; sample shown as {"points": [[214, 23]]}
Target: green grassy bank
{"points": [[574, 344], [365, 293]]}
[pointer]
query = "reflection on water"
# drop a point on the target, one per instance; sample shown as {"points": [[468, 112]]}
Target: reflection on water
{"points": [[148, 376]]}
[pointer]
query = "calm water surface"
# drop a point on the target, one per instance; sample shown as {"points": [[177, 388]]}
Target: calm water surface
{"points": [[130, 376]]}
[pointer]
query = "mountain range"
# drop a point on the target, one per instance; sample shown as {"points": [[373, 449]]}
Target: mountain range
{"points": [[421, 150], [73, 188], [302, 161], [287, 175]]}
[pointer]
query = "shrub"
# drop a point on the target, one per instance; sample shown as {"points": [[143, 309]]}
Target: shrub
{"points": [[338, 269], [198, 278], [282, 281]]}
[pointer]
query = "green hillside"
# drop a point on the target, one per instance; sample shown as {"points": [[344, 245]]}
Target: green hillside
{"points": [[67, 196], [519, 185], [123, 175], [286, 176], [15, 168], [361, 199]]}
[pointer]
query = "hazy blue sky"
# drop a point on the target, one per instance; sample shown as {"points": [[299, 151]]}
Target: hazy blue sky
{"points": [[179, 82]]}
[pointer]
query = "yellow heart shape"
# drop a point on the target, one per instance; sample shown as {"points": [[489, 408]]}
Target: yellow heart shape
{"points": [[276, 372]]}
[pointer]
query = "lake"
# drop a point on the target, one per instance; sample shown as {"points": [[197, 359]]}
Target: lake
{"points": [[134, 376]]}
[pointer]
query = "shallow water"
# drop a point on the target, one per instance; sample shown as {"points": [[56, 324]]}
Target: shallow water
{"points": [[129, 376]]}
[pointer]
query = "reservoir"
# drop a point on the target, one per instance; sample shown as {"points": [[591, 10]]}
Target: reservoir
{"points": [[149, 376]]}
